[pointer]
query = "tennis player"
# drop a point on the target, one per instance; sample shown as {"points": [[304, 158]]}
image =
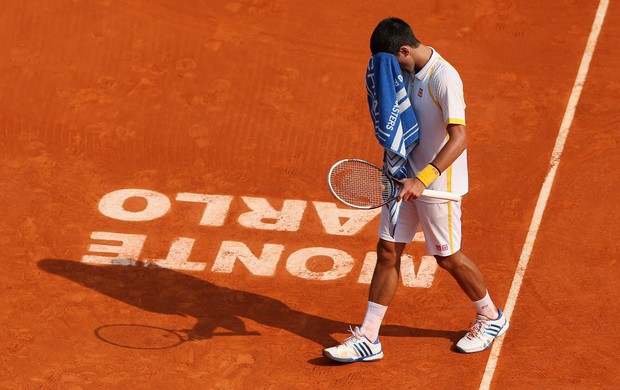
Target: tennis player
{"points": [[439, 162]]}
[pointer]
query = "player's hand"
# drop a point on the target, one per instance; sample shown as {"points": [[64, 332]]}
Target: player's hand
{"points": [[411, 189]]}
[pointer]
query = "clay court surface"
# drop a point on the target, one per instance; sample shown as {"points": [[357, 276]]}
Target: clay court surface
{"points": [[166, 222]]}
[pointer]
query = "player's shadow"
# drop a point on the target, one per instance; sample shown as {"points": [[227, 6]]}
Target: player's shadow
{"points": [[166, 291]]}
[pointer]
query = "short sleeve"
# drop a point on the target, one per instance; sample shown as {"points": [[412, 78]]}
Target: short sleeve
{"points": [[446, 88]]}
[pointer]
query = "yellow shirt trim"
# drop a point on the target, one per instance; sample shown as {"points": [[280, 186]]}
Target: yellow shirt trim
{"points": [[428, 87], [455, 121]]}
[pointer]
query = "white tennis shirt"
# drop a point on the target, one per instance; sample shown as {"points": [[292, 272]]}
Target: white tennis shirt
{"points": [[436, 95]]}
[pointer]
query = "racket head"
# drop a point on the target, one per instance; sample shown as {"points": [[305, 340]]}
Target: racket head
{"points": [[361, 184]]}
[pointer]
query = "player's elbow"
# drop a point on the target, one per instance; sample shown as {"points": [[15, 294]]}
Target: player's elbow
{"points": [[458, 137], [458, 142], [462, 143]]}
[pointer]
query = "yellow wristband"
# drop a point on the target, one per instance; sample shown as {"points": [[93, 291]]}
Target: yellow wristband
{"points": [[428, 175]]}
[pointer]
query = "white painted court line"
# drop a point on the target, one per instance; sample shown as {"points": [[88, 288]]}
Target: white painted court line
{"points": [[543, 197]]}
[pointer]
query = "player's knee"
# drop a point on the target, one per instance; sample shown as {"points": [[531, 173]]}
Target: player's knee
{"points": [[387, 253], [450, 262]]}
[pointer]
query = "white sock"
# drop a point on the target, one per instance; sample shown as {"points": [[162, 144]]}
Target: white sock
{"points": [[372, 320], [486, 307]]}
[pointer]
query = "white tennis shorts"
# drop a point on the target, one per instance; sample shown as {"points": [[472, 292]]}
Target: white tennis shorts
{"points": [[440, 222]]}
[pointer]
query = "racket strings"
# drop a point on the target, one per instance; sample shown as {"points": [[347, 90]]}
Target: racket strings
{"points": [[360, 184]]}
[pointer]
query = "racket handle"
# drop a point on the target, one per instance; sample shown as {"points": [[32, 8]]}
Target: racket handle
{"points": [[441, 195]]}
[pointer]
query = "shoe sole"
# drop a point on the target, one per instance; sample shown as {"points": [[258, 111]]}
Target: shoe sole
{"points": [[500, 333], [370, 358]]}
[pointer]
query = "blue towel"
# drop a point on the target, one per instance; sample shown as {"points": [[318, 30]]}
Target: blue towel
{"points": [[396, 126]]}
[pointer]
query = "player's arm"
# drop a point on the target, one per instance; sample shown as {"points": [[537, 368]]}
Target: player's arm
{"points": [[412, 188], [453, 148]]}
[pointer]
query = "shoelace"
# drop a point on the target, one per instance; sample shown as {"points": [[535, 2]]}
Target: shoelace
{"points": [[476, 328], [355, 336]]}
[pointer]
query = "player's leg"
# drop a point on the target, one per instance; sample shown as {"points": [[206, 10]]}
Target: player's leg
{"points": [[441, 223], [468, 276], [490, 322], [383, 285], [364, 344], [387, 272]]}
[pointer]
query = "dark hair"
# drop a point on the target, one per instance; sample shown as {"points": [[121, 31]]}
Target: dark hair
{"points": [[390, 34]]}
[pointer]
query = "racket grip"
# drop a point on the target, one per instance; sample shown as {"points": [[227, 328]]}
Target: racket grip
{"points": [[441, 195]]}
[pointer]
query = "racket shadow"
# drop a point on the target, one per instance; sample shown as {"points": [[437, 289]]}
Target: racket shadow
{"points": [[214, 307], [141, 336]]}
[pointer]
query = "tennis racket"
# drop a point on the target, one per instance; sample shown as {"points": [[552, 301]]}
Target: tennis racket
{"points": [[363, 185]]}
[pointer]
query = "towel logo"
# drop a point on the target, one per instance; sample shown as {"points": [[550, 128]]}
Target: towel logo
{"points": [[420, 92]]}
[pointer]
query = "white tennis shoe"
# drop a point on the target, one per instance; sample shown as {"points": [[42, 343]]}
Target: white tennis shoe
{"points": [[354, 349], [482, 332]]}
